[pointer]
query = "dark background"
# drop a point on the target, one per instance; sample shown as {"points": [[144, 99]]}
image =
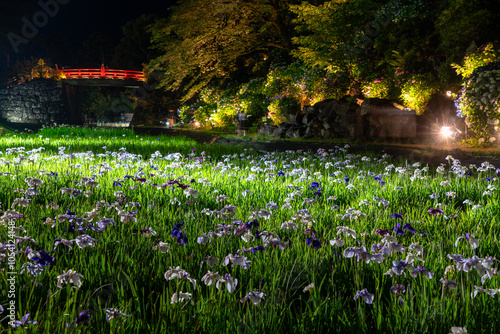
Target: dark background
{"points": [[82, 33]]}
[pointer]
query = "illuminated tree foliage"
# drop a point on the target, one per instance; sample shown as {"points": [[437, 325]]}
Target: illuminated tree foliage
{"points": [[396, 49], [205, 41]]}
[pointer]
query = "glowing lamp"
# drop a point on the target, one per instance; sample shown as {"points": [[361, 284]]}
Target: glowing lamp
{"points": [[446, 132]]}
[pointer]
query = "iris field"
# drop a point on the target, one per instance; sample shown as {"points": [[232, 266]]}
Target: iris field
{"points": [[115, 233]]}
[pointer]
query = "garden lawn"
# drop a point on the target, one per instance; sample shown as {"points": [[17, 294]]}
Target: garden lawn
{"points": [[116, 233]]}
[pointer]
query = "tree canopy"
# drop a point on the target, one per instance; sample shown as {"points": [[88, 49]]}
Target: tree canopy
{"points": [[204, 41]]}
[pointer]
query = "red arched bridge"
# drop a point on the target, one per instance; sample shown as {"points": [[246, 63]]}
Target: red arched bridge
{"points": [[102, 77]]}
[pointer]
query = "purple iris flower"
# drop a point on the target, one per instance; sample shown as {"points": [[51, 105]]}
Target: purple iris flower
{"points": [[346, 179], [397, 216], [24, 320], [314, 185], [281, 173], [117, 184], [379, 180], [398, 288], [408, 227], [103, 223], [259, 248], [83, 318], [252, 223], [179, 234], [382, 232], [44, 258], [313, 242], [436, 211], [398, 229]]}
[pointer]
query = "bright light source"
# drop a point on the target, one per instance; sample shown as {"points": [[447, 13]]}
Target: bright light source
{"points": [[446, 132], [448, 93]]}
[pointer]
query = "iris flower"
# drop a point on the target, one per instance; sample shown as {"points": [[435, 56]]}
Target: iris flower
{"points": [[84, 240], [408, 227], [309, 288], [211, 278], [179, 234], [489, 292], [313, 242], [236, 260], [162, 247], [337, 242], [448, 283], [367, 297], [398, 288], [33, 269], [422, 270], [347, 231], [397, 216], [254, 296], [180, 297], [180, 274], [24, 320], [112, 313], [190, 192], [314, 185], [398, 229], [472, 241], [69, 276], [399, 266], [436, 211], [44, 258], [382, 232], [66, 243]]}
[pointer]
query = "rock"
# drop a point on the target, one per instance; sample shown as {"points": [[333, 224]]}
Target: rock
{"points": [[266, 129], [295, 132], [333, 118], [281, 129]]}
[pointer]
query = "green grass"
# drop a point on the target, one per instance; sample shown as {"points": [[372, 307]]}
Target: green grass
{"points": [[123, 271]]}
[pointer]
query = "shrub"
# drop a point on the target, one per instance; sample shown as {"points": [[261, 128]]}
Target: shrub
{"points": [[417, 91], [481, 57], [479, 101], [281, 107], [376, 89]]}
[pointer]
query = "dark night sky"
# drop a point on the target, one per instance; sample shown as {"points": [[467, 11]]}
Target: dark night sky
{"points": [[61, 38], [79, 18]]}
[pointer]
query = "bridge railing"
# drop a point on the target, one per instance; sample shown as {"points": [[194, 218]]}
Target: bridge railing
{"points": [[102, 73]]}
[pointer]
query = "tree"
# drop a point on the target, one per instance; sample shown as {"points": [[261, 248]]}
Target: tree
{"points": [[465, 21], [97, 49], [31, 69], [330, 34], [134, 49], [204, 41]]}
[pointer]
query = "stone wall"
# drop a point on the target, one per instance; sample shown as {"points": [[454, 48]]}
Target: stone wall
{"points": [[35, 102]]}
